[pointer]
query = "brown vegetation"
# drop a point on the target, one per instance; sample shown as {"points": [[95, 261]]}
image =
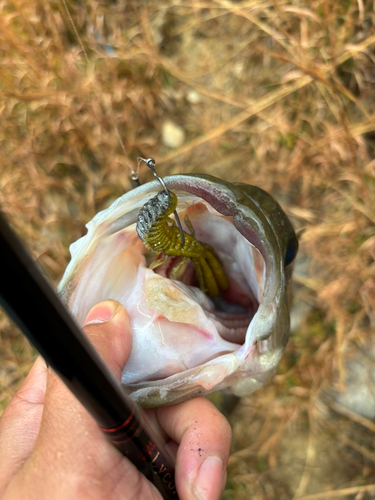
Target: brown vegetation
{"points": [[276, 93]]}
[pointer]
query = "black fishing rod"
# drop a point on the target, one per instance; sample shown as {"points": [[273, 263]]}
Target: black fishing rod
{"points": [[34, 306]]}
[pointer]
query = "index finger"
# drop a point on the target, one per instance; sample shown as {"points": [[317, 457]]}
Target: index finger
{"points": [[204, 436]]}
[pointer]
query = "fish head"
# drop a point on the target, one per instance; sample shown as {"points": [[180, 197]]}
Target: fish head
{"points": [[185, 343]]}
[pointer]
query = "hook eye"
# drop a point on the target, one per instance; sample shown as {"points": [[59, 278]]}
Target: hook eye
{"points": [[150, 162]]}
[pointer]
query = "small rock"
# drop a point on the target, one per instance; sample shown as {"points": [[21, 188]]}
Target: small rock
{"points": [[173, 136], [238, 68], [193, 97], [358, 394]]}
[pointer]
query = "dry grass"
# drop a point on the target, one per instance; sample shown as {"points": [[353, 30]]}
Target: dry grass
{"points": [[286, 102]]}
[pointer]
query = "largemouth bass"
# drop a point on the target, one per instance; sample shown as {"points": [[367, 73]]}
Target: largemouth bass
{"points": [[185, 343]]}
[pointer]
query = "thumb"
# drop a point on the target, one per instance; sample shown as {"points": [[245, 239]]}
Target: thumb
{"points": [[107, 326]]}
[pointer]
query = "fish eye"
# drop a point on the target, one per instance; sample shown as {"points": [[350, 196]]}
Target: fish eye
{"points": [[291, 251]]}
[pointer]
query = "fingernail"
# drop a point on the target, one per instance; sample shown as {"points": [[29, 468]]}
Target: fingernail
{"points": [[208, 484], [101, 313]]}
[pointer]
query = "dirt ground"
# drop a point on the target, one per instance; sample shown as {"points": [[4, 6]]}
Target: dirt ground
{"points": [[275, 93]]}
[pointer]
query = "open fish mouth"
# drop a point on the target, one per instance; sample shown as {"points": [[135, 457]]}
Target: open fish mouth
{"points": [[184, 342]]}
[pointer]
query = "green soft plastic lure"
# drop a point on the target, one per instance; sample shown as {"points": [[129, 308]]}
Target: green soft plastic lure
{"points": [[159, 233]]}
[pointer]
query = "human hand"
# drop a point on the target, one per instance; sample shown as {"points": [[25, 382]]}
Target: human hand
{"points": [[51, 448]]}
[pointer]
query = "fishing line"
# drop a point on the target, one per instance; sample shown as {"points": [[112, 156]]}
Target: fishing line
{"points": [[134, 173]]}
